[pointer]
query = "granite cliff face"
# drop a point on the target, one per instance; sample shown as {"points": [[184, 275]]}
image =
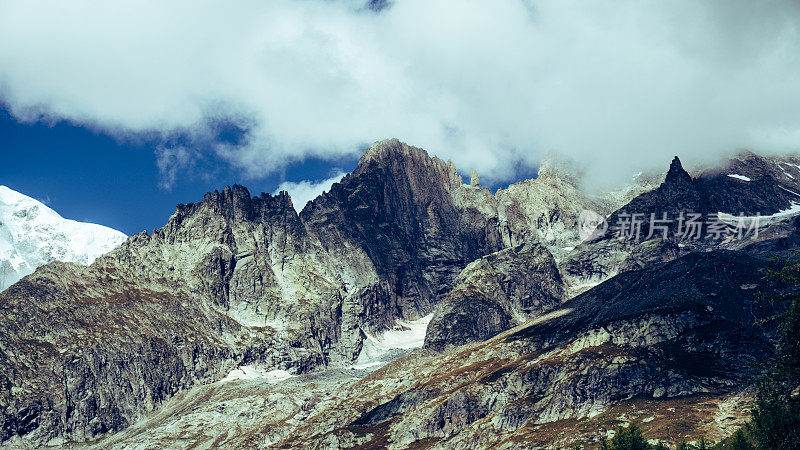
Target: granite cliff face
{"points": [[238, 280], [397, 208]]}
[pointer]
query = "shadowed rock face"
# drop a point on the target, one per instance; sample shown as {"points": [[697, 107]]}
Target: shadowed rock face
{"points": [[399, 208], [495, 293], [749, 184], [773, 185], [677, 194]]}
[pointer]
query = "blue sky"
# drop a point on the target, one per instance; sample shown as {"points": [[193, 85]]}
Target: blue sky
{"points": [[89, 176], [92, 177]]}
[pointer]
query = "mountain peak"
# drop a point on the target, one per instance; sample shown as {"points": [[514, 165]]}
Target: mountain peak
{"points": [[675, 164], [380, 149], [558, 167], [32, 234], [677, 173], [403, 160]]}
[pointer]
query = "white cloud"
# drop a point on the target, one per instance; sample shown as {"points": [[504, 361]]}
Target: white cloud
{"points": [[303, 192], [619, 85], [171, 161]]}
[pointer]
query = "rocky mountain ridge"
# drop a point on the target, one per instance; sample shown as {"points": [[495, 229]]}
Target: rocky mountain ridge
{"points": [[246, 280], [245, 283], [747, 186], [729, 207]]}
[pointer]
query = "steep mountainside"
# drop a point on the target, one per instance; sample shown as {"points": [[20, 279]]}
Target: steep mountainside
{"points": [[398, 208], [669, 347], [31, 234], [678, 329], [751, 184], [237, 280], [239, 292]]}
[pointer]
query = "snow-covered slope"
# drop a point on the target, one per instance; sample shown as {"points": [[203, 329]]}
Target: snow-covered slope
{"points": [[31, 234]]}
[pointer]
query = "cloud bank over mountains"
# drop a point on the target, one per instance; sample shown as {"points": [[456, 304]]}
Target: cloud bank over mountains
{"points": [[489, 85]]}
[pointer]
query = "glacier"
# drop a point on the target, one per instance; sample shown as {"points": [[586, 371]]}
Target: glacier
{"points": [[31, 235]]}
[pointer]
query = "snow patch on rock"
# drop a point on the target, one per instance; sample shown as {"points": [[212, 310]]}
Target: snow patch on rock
{"points": [[252, 373], [405, 335], [377, 349], [760, 221]]}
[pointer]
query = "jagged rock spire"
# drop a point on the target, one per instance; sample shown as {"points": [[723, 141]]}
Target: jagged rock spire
{"points": [[473, 178], [677, 173]]}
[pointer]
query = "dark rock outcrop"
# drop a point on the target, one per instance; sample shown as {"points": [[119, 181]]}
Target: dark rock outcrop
{"points": [[398, 207], [495, 293], [746, 185]]}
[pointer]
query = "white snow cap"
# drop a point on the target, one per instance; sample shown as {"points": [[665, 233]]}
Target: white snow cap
{"points": [[31, 235]]}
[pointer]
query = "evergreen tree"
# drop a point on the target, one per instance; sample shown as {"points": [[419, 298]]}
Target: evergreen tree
{"points": [[630, 438], [739, 442], [776, 415]]}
